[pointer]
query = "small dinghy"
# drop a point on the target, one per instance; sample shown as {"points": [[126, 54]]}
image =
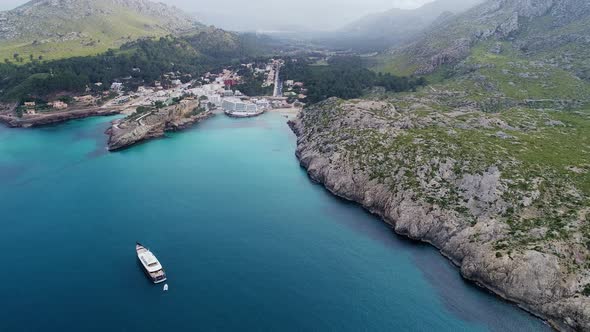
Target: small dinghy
{"points": [[165, 287]]}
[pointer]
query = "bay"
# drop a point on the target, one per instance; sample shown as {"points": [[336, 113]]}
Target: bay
{"points": [[247, 240]]}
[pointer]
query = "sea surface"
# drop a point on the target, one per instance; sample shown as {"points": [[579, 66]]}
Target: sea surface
{"points": [[249, 243]]}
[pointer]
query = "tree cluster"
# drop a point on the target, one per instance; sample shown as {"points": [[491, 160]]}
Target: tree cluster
{"points": [[345, 77], [135, 63]]}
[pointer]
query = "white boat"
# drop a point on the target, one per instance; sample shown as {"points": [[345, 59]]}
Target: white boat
{"points": [[151, 266]]}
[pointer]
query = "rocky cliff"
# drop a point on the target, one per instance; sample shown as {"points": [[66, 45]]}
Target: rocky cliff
{"points": [[529, 25], [154, 123], [478, 186], [43, 119]]}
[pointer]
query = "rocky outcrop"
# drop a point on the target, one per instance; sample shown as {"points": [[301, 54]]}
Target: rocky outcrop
{"points": [[150, 124], [368, 152], [43, 119], [450, 41]]}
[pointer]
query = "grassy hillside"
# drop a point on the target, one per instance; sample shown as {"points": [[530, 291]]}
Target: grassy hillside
{"points": [[79, 28]]}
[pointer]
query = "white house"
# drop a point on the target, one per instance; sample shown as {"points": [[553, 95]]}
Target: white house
{"points": [[117, 87]]}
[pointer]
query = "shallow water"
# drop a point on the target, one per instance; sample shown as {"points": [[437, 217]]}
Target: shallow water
{"points": [[247, 240]]}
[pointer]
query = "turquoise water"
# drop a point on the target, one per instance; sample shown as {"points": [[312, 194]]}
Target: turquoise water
{"points": [[248, 242]]}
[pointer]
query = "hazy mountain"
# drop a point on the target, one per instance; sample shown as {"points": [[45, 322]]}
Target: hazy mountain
{"points": [[60, 28], [531, 27], [397, 25]]}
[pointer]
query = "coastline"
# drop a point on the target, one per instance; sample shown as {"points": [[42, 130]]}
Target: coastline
{"points": [[55, 118], [427, 225], [135, 129]]}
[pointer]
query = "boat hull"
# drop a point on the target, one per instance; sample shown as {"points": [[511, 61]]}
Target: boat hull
{"points": [[152, 278], [156, 277]]}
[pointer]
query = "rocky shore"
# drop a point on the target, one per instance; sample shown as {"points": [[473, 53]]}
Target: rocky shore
{"points": [[42, 119], [399, 164], [139, 127]]}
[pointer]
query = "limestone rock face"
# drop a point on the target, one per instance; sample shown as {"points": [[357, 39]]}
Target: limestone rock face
{"points": [[53, 117], [451, 41], [153, 124], [459, 209]]}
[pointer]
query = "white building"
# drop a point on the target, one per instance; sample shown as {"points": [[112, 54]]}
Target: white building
{"points": [[144, 90], [263, 104], [117, 87], [215, 99], [237, 105]]}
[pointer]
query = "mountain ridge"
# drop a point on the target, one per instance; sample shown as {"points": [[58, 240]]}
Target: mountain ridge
{"points": [[503, 20], [62, 28], [396, 25]]}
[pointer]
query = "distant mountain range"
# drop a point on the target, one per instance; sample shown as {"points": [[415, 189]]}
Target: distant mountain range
{"points": [[384, 30], [396, 25], [540, 28], [62, 28]]}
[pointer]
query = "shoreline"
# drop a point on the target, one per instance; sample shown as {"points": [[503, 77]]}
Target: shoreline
{"points": [[455, 264], [131, 130], [445, 238], [39, 120]]}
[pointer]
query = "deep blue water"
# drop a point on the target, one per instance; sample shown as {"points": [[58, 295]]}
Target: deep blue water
{"points": [[247, 240]]}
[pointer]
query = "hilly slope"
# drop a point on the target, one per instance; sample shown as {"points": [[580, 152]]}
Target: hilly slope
{"points": [[381, 31], [491, 162], [53, 29], [397, 25], [534, 27]]}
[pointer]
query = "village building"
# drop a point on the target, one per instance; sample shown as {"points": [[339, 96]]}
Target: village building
{"points": [[215, 99], [87, 99], [237, 105], [58, 105], [117, 87]]}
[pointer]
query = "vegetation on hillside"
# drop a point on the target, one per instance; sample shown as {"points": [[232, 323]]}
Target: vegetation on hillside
{"points": [[343, 77], [135, 63], [56, 30]]}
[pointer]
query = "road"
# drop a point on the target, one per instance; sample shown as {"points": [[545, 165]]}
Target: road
{"points": [[278, 91]]}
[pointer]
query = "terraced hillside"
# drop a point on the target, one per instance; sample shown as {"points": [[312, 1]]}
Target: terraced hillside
{"points": [[52, 29]]}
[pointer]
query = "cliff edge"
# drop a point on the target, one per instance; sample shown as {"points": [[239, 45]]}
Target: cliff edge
{"points": [[149, 123], [462, 181]]}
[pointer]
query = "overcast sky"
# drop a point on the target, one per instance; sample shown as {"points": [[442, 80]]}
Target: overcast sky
{"points": [[277, 14]]}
